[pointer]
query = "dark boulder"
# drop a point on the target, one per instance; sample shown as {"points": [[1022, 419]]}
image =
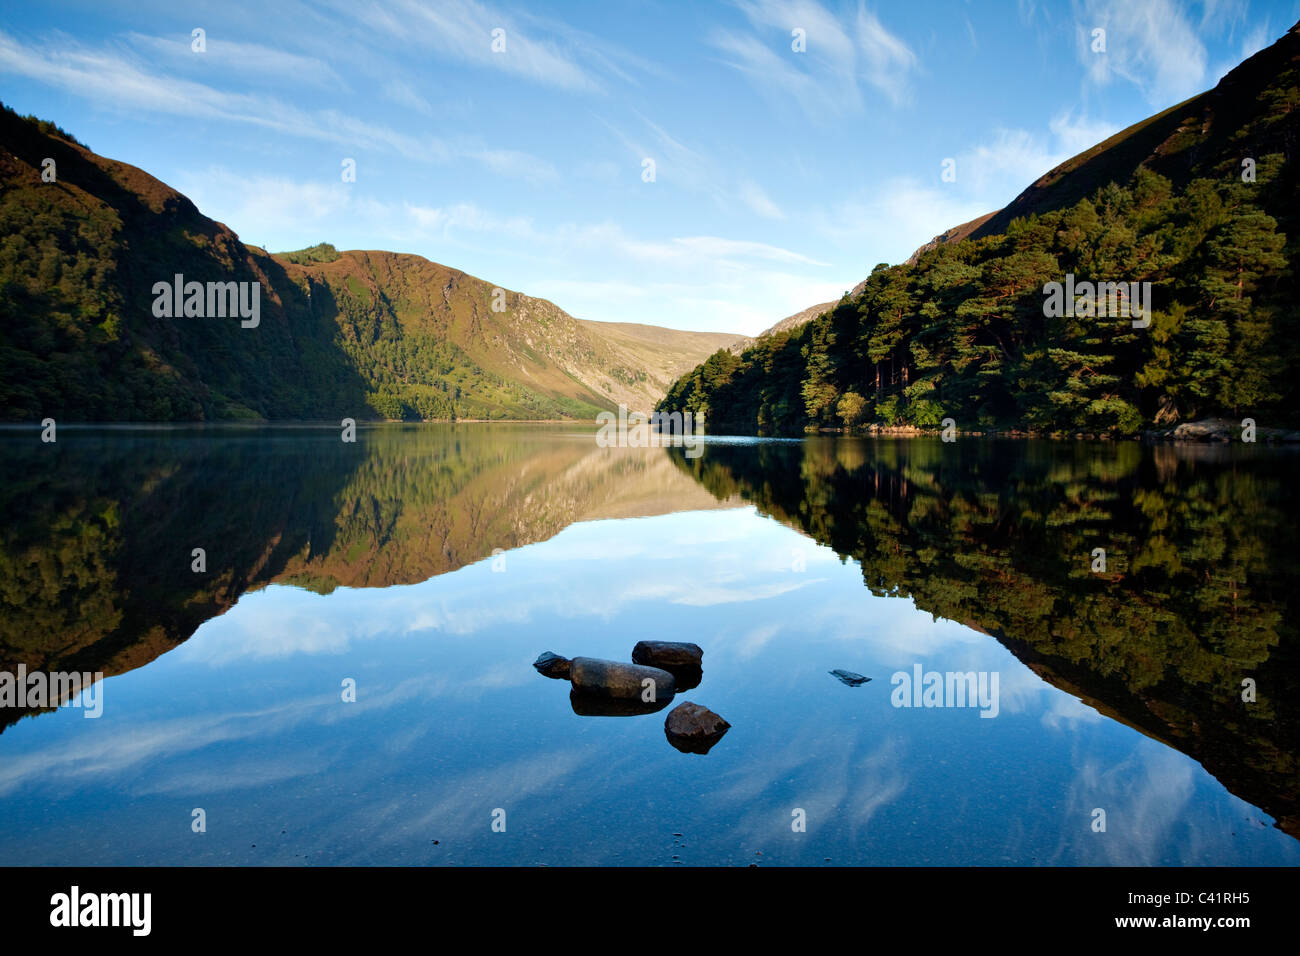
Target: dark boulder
{"points": [[693, 729], [552, 665], [679, 658], [668, 654], [596, 678]]}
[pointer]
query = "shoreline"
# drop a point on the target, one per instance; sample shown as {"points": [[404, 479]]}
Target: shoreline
{"points": [[1203, 432]]}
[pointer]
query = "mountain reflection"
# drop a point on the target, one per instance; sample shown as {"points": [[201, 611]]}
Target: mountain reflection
{"points": [[97, 530], [1199, 591]]}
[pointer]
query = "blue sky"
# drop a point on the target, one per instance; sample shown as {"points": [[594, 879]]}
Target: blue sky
{"points": [[780, 179]]}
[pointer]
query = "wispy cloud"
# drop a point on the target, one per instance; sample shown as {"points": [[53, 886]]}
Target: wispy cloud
{"points": [[118, 80], [753, 196], [1259, 36], [463, 30], [677, 164], [402, 93], [1149, 43], [910, 210], [887, 61], [744, 284], [713, 246], [1076, 134], [827, 78], [237, 60]]}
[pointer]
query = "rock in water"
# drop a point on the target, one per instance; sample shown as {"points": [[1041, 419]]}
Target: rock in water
{"points": [[850, 678], [552, 665], [693, 729], [599, 678], [668, 654], [686, 678], [589, 705]]}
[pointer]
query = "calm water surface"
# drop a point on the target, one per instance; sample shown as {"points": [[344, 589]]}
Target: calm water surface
{"points": [[432, 564]]}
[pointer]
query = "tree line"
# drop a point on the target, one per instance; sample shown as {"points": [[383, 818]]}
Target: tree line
{"points": [[961, 332]]}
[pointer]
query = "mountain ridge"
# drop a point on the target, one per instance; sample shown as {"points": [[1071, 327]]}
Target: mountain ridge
{"points": [[1044, 194], [364, 333], [1198, 206]]}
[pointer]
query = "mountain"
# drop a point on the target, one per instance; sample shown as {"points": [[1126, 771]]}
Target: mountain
{"points": [[397, 312], [359, 334], [651, 357], [1191, 219], [955, 234], [1211, 130], [789, 322], [1250, 113]]}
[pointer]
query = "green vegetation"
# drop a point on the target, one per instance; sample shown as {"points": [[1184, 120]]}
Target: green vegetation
{"points": [[416, 374], [44, 126], [78, 339], [352, 334], [321, 252], [96, 529], [1201, 588], [961, 332]]}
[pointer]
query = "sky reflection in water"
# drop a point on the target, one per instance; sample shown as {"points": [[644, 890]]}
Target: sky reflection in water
{"points": [[246, 720]]}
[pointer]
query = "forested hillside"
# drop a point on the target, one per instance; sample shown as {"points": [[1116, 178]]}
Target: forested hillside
{"points": [[962, 331], [340, 334]]}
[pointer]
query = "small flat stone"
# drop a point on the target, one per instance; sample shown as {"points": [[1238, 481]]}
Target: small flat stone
{"points": [[848, 677]]}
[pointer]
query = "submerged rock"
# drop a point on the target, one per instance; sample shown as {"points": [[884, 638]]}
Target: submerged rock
{"points": [[668, 654], [686, 678], [589, 705], [552, 665], [693, 729], [596, 678], [848, 677]]}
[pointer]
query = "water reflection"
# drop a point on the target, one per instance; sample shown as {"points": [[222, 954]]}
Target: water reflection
{"points": [[1195, 607], [431, 565], [97, 531]]}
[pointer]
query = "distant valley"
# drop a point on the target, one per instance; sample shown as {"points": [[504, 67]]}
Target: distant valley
{"points": [[362, 334]]}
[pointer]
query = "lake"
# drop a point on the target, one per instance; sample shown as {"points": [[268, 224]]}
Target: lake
{"points": [[1139, 705]]}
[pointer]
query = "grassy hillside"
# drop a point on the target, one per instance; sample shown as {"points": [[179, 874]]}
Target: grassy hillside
{"points": [[359, 334], [650, 358], [961, 331]]}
